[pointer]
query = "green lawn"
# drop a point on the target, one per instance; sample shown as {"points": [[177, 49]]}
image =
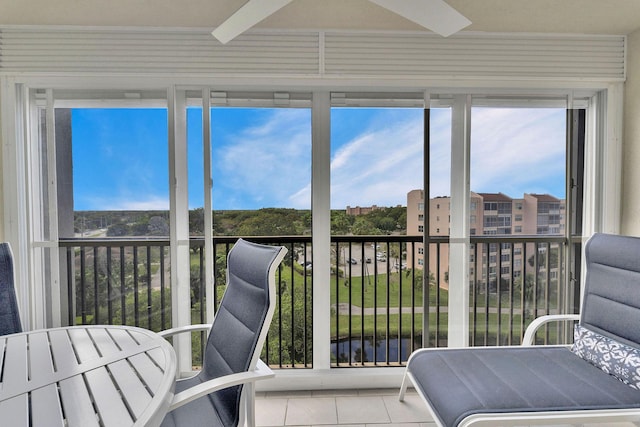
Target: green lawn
{"points": [[376, 287]]}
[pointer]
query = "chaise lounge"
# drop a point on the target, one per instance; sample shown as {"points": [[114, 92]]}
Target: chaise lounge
{"points": [[595, 380]]}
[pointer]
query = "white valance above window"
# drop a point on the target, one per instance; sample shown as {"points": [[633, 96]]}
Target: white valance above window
{"points": [[312, 54]]}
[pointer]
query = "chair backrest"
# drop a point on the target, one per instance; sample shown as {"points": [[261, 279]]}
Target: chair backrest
{"points": [[9, 313], [611, 302], [242, 321]]}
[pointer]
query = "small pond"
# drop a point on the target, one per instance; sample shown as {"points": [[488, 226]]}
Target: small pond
{"points": [[340, 350]]}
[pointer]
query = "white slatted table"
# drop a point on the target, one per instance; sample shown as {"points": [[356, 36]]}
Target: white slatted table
{"points": [[85, 376]]}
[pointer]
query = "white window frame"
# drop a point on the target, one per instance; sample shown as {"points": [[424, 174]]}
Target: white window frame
{"points": [[601, 205]]}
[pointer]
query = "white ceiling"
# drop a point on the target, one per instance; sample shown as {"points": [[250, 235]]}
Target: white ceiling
{"points": [[539, 16]]}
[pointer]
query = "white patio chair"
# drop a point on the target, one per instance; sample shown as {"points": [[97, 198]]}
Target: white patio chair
{"points": [[217, 395]]}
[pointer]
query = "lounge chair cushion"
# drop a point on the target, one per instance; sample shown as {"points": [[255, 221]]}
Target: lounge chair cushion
{"points": [[461, 382], [614, 358]]}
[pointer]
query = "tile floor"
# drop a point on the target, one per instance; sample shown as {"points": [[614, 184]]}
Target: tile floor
{"points": [[348, 408], [344, 408]]}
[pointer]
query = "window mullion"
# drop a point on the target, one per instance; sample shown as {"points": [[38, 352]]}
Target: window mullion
{"points": [[179, 230], [209, 269], [460, 239], [426, 230], [321, 227]]}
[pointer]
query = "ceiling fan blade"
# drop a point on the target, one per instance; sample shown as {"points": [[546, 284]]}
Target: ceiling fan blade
{"points": [[246, 17], [435, 15]]}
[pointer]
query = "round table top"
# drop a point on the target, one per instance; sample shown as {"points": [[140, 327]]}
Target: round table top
{"points": [[86, 376]]}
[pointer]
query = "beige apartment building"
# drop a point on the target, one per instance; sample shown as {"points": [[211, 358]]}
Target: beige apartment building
{"points": [[491, 214], [361, 210]]}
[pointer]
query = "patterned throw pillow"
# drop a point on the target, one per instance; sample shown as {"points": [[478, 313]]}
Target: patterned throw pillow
{"points": [[614, 358]]}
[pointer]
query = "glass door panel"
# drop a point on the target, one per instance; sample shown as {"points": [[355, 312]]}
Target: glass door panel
{"points": [[518, 182], [377, 164]]}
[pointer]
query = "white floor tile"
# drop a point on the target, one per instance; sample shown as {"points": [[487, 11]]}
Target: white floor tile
{"points": [[362, 409], [347, 425], [370, 408], [412, 410], [270, 412], [311, 411], [396, 425], [334, 393]]}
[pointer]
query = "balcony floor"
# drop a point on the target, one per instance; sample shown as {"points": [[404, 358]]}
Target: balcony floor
{"points": [[352, 408]]}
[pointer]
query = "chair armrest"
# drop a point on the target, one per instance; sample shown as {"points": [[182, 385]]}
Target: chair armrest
{"points": [[533, 327], [181, 329], [262, 372]]}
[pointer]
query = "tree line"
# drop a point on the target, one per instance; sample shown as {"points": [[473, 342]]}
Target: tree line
{"points": [[260, 222]]}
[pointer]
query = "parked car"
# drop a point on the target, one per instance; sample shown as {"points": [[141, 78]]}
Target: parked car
{"points": [[352, 261]]}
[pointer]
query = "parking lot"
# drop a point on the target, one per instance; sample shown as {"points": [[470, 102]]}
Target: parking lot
{"points": [[375, 260]]}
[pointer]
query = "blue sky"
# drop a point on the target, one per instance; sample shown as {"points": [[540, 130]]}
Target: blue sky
{"points": [[262, 157]]}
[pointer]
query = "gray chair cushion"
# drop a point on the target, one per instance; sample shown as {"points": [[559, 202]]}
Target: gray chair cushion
{"points": [[9, 313], [611, 305], [233, 337], [458, 383], [197, 413]]}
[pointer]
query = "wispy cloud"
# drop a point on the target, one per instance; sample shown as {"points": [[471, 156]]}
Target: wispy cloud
{"points": [[264, 165], [440, 153], [518, 150], [513, 151], [380, 165]]}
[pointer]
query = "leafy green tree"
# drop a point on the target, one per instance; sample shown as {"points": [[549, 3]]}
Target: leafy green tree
{"points": [[118, 229], [402, 220], [362, 226], [341, 222], [291, 327], [273, 222], [196, 222], [386, 224], [389, 219], [149, 314]]}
